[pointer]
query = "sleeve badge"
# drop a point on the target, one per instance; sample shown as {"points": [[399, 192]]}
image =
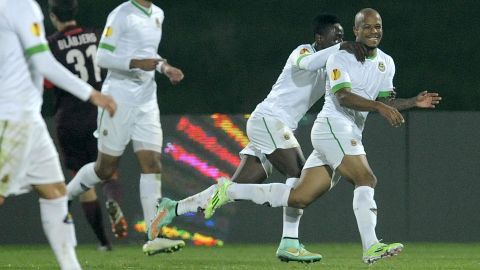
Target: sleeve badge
{"points": [[36, 29]]}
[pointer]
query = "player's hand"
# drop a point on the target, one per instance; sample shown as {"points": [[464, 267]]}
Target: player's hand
{"points": [[144, 64], [356, 48], [427, 100], [174, 74], [103, 101], [393, 116], [2, 200]]}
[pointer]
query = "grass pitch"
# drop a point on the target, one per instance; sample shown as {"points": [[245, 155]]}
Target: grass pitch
{"points": [[335, 256]]}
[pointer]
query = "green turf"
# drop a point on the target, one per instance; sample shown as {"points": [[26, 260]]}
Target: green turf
{"points": [[336, 256]]}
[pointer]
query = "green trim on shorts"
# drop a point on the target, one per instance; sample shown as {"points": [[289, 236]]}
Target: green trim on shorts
{"points": [[106, 46], [99, 129], [328, 122], [274, 144], [4, 129], [36, 49]]}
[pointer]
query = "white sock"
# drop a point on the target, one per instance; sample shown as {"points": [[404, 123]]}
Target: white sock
{"points": [[85, 179], [365, 210], [291, 216], [274, 195], [150, 192], [192, 203], [58, 227]]}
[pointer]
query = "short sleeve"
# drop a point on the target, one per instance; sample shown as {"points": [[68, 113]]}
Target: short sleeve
{"points": [[112, 32], [337, 70], [28, 24], [386, 87]]}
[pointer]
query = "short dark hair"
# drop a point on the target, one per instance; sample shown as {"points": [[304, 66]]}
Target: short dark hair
{"points": [[65, 10], [322, 23]]}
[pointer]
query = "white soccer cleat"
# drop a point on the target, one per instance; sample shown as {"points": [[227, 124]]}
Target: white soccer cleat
{"points": [[162, 245]]}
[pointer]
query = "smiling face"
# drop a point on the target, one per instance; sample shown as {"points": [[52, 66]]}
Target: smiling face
{"points": [[368, 28]]}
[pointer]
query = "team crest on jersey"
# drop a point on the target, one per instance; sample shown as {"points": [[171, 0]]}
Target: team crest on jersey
{"points": [[286, 136], [105, 132], [159, 24], [304, 51], [335, 74], [381, 66], [353, 142], [5, 179], [108, 31], [36, 29]]}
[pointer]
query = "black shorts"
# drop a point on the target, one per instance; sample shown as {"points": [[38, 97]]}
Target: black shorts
{"points": [[77, 143]]}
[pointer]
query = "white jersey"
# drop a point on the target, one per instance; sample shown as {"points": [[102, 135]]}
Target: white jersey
{"points": [[25, 58], [370, 80], [131, 32], [299, 86], [21, 34]]}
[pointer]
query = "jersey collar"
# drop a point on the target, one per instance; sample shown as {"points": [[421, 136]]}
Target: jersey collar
{"points": [[145, 11]]}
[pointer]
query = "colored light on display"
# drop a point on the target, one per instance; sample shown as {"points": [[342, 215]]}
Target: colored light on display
{"points": [[224, 122], [197, 239], [181, 155], [210, 143]]}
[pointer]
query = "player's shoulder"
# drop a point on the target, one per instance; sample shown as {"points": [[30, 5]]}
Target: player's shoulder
{"points": [[387, 58], [303, 49], [122, 9], [157, 9], [342, 55], [25, 8]]}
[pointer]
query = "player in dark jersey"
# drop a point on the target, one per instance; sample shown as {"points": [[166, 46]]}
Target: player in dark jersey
{"points": [[76, 47]]}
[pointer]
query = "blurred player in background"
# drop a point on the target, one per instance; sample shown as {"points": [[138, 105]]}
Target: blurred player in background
{"points": [[28, 159], [270, 130], [353, 90], [76, 48], [128, 49]]}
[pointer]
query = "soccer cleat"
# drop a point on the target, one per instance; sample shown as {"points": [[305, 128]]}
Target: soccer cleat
{"points": [[105, 248], [117, 219], [292, 250], [162, 245], [219, 197], [381, 250], [165, 214]]}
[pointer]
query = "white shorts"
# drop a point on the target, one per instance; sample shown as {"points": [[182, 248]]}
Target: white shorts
{"points": [[252, 151], [27, 157], [267, 134], [139, 124], [332, 139]]}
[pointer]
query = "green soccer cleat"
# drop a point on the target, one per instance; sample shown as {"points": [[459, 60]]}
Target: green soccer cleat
{"points": [[162, 245], [292, 250], [219, 197], [165, 214], [381, 250]]}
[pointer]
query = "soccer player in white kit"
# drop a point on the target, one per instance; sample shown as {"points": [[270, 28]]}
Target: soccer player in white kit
{"points": [[353, 89], [28, 159], [128, 49], [270, 130]]}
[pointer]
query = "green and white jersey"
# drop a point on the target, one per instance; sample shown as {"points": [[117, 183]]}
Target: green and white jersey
{"points": [[299, 86], [370, 80], [131, 32], [25, 58], [21, 36]]}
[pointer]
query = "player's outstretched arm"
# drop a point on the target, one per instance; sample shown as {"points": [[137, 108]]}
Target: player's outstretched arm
{"points": [[424, 99]]}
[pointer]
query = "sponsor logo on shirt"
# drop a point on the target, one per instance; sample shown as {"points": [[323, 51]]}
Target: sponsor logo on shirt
{"points": [[381, 66], [335, 74], [36, 29], [108, 31]]}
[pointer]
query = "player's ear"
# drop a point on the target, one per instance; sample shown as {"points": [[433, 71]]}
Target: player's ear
{"points": [[355, 31]]}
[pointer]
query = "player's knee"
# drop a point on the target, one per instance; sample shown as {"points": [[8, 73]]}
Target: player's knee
{"points": [[105, 172], [367, 179], [155, 166], [299, 202]]}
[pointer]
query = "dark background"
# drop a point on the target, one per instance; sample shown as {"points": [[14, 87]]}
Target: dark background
{"points": [[233, 51]]}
